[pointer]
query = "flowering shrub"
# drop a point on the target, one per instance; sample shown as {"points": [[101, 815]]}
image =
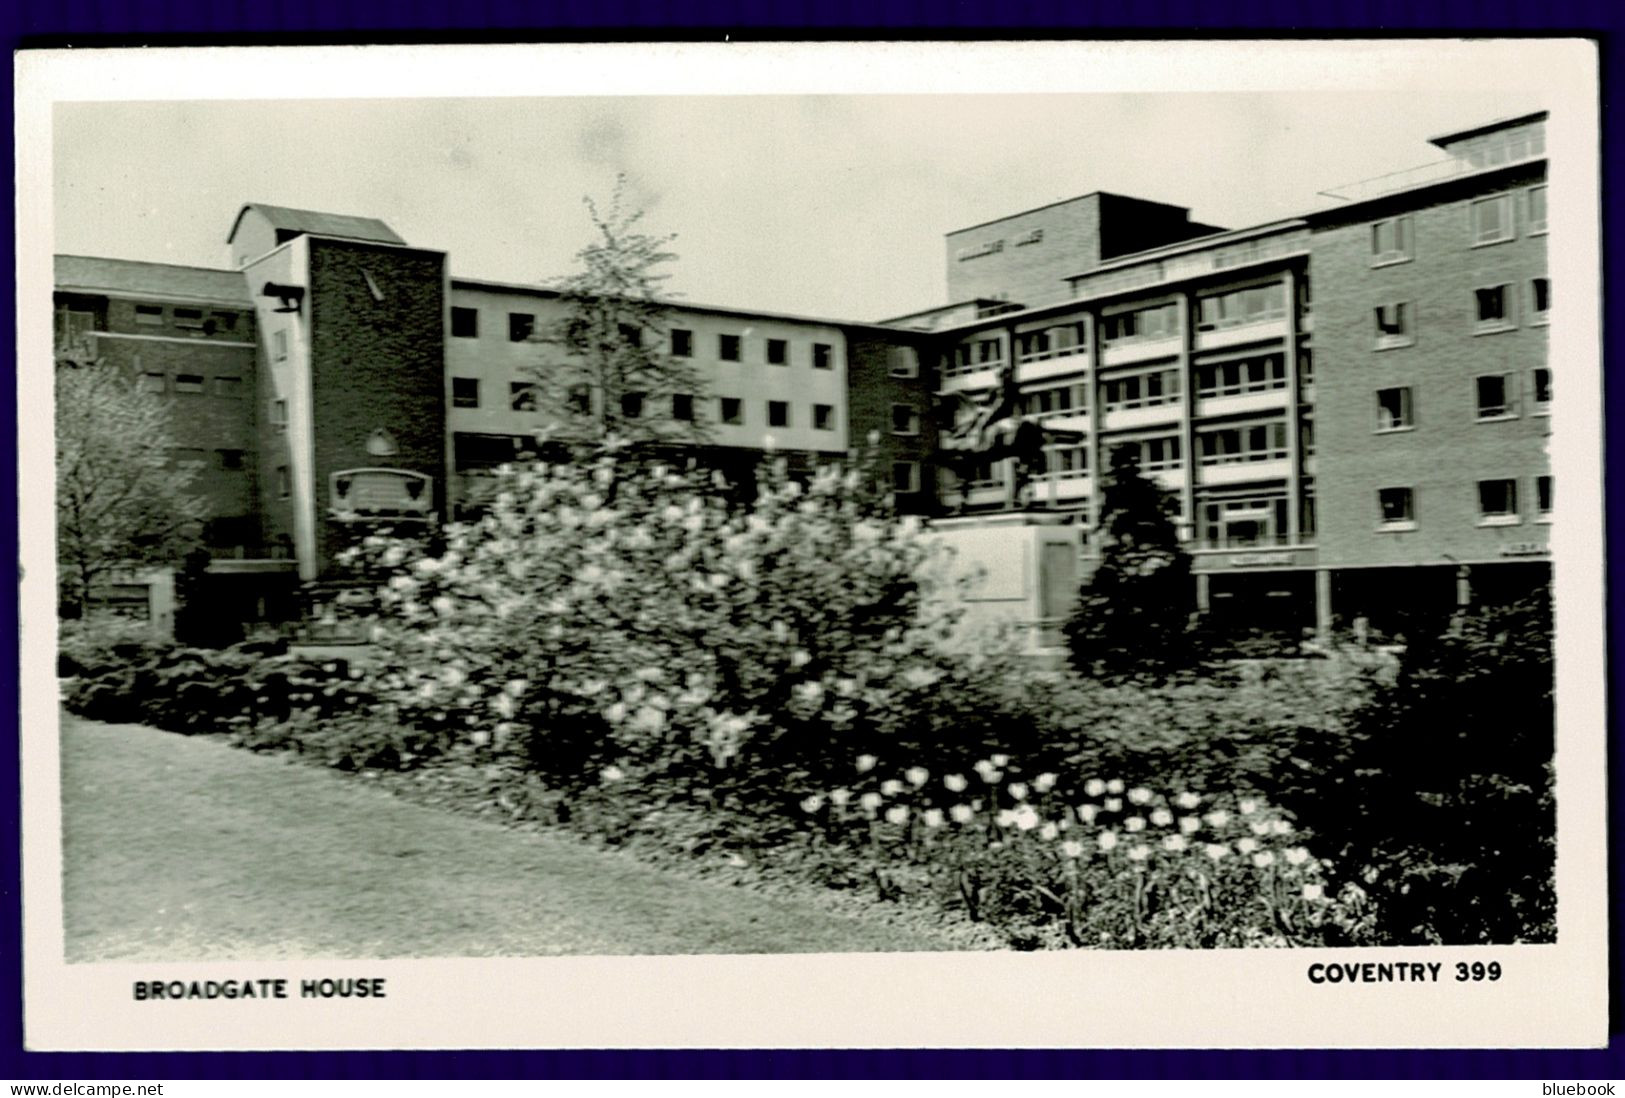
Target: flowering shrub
{"points": [[1091, 862], [608, 613]]}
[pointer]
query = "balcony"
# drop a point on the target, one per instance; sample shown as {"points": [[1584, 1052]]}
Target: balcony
{"points": [[1232, 404], [1125, 351], [1128, 418], [1040, 367], [1262, 465], [1258, 331]]}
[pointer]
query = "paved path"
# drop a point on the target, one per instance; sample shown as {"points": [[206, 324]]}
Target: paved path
{"points": [[178, 849]]}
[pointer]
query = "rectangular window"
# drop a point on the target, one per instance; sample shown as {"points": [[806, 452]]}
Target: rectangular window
{"points": [[1394, 409], [149, 314], [778, 352], [521, 326], [823, 356], [682, 343], [1492, 220], [1543, 498], [465, 322], [1238, 307], [1540, 299], [904, 420], [824, 417], [465, 392], [1241, 444], [224, 322], [1066, 462], [227, 386], [1493, 396], [1390, 241], [1537, 209], [279, 345], [728, 348], [682, 407], [733, 411], [905, 477], [1253, 375], [1492, 307], [151, 382], [188, 383], [522, 396], [1058, 400], [778, 413], [284, 482], [230, 461], [1497, 502], [1306, 368], [632, 405], [1394, 325], [1055, 342], [1397, 507], [1543, 390], [279, 413], [1156, 322], [903, 362], [188, 318]]}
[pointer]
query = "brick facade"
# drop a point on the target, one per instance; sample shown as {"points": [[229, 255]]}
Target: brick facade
{"points": [[1449, 449]]}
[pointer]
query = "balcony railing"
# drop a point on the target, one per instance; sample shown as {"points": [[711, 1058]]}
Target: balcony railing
{"points": [[1176, 268]]}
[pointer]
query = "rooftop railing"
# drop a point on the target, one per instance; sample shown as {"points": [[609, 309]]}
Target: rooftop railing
{"points": [[1437, 171]]}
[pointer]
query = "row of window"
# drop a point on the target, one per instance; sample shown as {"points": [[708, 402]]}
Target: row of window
{"points": [[229, 461], [1493, 311], [465, 324], [1491, 220], [1495, 397], [221, 385], [1498, 504], [185, 316]]}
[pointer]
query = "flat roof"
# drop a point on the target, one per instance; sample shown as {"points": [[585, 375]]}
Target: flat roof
{"points": [[688, 306], [1067, 201], [1488, 127], [97, 274]]}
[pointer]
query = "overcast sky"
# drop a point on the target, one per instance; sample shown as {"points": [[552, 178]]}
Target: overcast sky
{"points": [[825, 205]]}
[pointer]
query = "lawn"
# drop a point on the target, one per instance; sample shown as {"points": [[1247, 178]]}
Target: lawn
{"points": [[179, 849]]}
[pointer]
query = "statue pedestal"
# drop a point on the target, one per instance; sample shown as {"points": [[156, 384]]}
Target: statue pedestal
{"points": [[1026, 573]]}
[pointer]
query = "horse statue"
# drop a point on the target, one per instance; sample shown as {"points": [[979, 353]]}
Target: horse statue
{"points": [[995, 429]]}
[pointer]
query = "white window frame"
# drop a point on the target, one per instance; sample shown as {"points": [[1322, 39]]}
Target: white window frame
{"points": [[1405, 337], [1537, 226], [1509, 397], [279, 413], [1538, 406], [279, 345], [1406, 523], [144, 314], [1508, 230], [454, 398], [1538, 315], [912, 480], [913, 418], [1511, 517], [1405, 241], [903, 362], [1406, 418], [1509, 303]]}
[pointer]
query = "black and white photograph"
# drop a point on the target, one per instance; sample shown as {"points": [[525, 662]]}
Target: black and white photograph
{"points": [[800, 544]]}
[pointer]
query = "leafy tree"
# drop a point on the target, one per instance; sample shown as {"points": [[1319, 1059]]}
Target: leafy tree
{"points": [[121, 499], [611, 372], [1133, 614]]}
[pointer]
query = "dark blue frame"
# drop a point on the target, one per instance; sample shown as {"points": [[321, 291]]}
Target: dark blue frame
{"points": [[189, 22]]}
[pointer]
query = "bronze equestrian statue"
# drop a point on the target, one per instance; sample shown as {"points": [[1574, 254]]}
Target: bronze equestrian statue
{"points": [[997, 430]]}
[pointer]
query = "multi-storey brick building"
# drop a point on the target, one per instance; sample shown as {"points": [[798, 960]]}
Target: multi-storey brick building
{"points": [[1373, 446]]}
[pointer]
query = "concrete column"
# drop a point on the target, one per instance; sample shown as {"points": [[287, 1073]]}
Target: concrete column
{"points": [[161, 603], [1294, 439], [1097, 452], [1204, 592], [1323, 603], [1187, 411]]}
